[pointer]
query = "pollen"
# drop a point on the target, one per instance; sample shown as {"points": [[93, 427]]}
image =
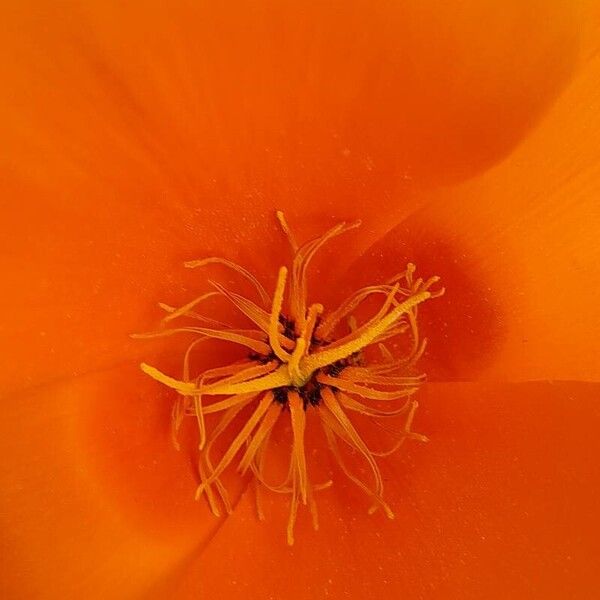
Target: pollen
{"points": [[300, 358]]}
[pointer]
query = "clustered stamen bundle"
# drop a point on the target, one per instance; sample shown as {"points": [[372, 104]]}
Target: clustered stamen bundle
{"points": [[300, 358]]}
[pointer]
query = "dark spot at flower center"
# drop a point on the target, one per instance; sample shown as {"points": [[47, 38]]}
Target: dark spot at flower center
{"points": [[289, 327], [263, 359]]}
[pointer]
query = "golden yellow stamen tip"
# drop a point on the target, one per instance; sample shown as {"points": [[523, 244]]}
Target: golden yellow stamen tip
{"points": [[181, 386]]}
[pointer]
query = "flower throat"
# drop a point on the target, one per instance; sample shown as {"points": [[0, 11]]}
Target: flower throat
{"points": [[300, 357]]}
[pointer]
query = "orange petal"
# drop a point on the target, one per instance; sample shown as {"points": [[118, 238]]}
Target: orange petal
{"points": [[538, 244], [95, 499], [138, 135], [518, 252], [499, 504]]}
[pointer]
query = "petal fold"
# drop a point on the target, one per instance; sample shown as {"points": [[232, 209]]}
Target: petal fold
{"points": [[95, 502], [517, 250], [139, 135]]}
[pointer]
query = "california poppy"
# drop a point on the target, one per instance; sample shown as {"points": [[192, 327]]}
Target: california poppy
{"points": [[135, 138]]}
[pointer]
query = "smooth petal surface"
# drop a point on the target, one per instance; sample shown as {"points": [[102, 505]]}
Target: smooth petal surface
{"points": [[137, 135], [518, 251], [499, 504], [95, 501]]}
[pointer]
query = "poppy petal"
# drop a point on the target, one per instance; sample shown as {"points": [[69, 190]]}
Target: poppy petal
{"points": [[518, 252], [96, 503], [499, 504], [138, 135]]}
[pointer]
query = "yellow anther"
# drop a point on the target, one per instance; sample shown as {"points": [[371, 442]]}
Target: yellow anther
{"points": [[288, 232], [279, 378], [328, 357], [183, 387], [280, 353], [311, 320], [297, 375]]}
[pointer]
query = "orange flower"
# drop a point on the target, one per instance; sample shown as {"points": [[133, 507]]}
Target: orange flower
{"points": [[137, 137]]}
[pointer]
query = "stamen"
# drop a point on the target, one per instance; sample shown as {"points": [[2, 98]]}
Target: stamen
{"points": [[212, 502], [177, 415], [258, 469], [236, 400], [294, 364], [329, 427], [197, 400], [352, 323], [262, 432], [194, 264], [365, 392], [328, 324], [403, 435], [297, 377], [278, 378], [219, 372], [351, 404], [256, 314], [298, 418], [293, 511], [366, 375], [274, 319], [183, 310], [222, 425], [260, 513], [183, 387], [200, 419], [412, 361], [253, 371], [241, 437], [389, 300], [410, 269], [312, 505], [327, 357], [313, 314], [288, 232], [299, 267], [226, 335], [352, 436]]}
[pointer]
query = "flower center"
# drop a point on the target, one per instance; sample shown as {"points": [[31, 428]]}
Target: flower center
{"points": [[300, 357], [306, 384]]}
